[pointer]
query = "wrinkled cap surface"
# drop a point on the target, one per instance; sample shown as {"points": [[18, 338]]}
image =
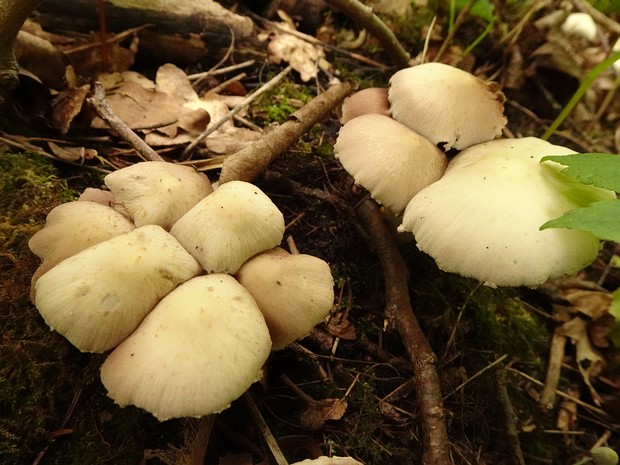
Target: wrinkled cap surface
{"points": [[450, 107], [482, 218], [389, 160], [201, 347]]}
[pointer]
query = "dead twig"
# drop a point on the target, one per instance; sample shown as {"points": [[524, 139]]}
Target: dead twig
{"points": [[249, 162], [400, 314], [512, 432], [365, 18], [244, 103], [104, 110]]}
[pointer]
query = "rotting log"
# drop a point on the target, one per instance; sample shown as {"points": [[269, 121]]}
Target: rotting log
{"points": [[184, 32]]}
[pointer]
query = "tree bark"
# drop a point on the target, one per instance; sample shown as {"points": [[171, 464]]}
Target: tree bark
{"points": [[13, 13], [183, 32]]}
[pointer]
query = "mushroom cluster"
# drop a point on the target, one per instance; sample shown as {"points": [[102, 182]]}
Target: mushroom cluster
{"points": [[478, 214], [186, 286]]}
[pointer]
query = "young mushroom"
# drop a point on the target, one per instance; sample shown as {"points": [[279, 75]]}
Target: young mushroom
{"points": [[199, 349], [97, 297], [295, 292], [229, 226], [447, 105], [157, 192], [373, 100], [482, 219], [389, 160]]}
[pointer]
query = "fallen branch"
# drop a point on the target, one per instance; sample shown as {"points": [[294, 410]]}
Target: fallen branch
{"points": [[13, 13], [364, 17], [252, 160], [103, 109], [399, 314]]}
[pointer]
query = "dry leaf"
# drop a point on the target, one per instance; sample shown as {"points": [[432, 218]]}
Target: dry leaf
{"points": [[303, 56], [589, 361], [72, 153], [591, 303], [66, 106]]}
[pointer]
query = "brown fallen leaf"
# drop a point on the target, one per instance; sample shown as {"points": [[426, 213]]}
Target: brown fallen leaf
{"points": [[72, 153], [66, 106], [589, 360]]}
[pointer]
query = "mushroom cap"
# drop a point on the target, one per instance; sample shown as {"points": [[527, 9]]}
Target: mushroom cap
{"points": [[157, 192], [97, 297], [482, 218], [447, 105], [229, 226], [201, 347], [580, 24], [74, 226], [389, 160], [371, 100], [329, 461], [294, 292]]}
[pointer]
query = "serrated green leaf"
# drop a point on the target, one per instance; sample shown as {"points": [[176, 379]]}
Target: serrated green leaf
{"points": [[600, 218], [598, 169]]}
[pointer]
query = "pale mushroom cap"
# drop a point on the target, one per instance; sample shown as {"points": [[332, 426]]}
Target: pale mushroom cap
{"points": [[97, 297], [580, 24], [201, 347], [372, 100], [294, 292], [92, 194], [329, 461], [157, 192], [482, 218], [229, 226], [74, 226], [389, 160], [70, 228], [447, 105]]}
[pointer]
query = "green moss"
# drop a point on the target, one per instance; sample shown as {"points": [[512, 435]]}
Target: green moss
{"points": [[51, 399], [278, 104]]}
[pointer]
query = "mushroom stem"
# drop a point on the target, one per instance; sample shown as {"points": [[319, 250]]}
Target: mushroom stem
{"points": [[400, 314]]}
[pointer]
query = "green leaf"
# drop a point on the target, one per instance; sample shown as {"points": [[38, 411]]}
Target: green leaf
{"points": [[598, 169], [600, 218], [482, 8]]}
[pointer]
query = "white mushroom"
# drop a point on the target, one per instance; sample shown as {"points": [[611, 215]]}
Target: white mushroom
{"points": [[72, 227], [389, 160], [447, 105], [329, 461], [483, 218], [201, 347], [294, 292], [155, 192], [97, 297], [229, 226], [581, 25]]}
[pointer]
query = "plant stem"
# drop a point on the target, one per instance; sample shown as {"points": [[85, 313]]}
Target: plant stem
{"points": [[583, 87], [364, 17]]}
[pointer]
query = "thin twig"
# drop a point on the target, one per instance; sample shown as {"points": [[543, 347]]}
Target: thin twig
{"points": [[216, 72], [250, 161], [512, 432], [365, 18], [271, 441], [400, 314], [105, 112], [244, 103], [562, 394], [478, 374]]}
